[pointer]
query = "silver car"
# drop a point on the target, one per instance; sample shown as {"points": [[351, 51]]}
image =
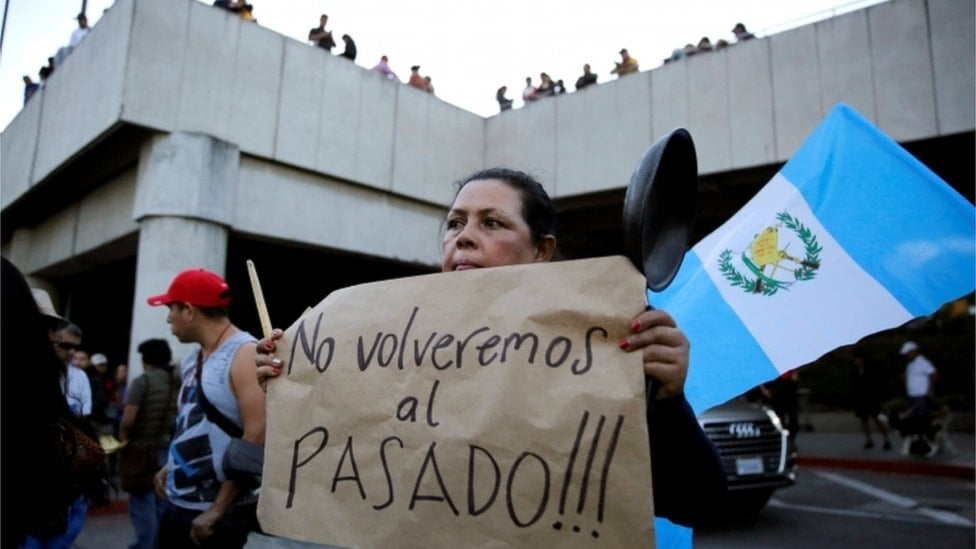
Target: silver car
{"points": [[755, 450]]}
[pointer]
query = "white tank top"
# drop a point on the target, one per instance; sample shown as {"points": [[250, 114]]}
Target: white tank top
{"points": [[193, 464]]}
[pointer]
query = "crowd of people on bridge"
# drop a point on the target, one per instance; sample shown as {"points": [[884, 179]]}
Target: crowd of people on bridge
{"points": [[322, 37], [627, 64], [705, 44]]}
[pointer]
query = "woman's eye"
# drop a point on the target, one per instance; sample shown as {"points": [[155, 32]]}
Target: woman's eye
{"points": [[453, 223], [492, 223]]}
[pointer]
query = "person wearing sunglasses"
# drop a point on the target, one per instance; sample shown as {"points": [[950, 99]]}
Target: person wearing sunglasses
{"points": [[77, 389], [66, 339]]}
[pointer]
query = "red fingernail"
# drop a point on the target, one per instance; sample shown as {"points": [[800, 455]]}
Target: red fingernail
{"points": [[624, 344], [271, 345], [635, 326]]}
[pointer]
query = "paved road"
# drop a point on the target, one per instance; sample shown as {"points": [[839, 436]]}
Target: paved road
{"points": [[847, 508], [834, 445]]}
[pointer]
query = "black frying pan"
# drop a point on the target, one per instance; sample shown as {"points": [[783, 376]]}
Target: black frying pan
{"points": [[659, 211], [659, 208]]}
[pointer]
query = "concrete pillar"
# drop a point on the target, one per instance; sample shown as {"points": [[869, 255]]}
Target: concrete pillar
{"points": [[184, 201], [168, 245], [187, 175]]}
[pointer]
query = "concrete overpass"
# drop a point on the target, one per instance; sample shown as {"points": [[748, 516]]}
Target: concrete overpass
{"points": [[178, 135]]}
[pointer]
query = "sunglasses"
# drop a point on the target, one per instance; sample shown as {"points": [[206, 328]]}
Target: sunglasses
{"points": [[65, 346]]}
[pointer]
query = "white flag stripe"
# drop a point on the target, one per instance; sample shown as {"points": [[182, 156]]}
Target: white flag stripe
{"points": [[803, 320]]}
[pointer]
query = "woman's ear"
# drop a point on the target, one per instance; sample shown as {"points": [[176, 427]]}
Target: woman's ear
{"points": [[545, 249]]}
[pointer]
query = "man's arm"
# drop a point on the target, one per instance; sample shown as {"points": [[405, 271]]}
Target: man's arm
{"points": [[202, 526], [129, 414], [250, 401], [250, 397], [131, 410]]}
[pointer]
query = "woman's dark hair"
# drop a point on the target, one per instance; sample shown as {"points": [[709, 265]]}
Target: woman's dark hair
{"points": [[27, 352], [37, 475], [537, 209]]}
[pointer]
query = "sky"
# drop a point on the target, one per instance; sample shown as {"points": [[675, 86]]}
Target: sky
{"points": [[468, 49]]}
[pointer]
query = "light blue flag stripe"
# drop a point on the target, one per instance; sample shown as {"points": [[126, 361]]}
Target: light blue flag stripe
{"points": [[725, 359], [668, 535], [896, 218]]}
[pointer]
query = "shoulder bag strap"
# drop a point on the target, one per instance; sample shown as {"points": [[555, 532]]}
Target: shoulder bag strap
{"points": [[213, 414]]}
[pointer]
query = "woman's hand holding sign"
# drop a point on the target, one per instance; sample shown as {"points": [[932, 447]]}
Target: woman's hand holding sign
{"points": [[268, 366], [665, 349]]}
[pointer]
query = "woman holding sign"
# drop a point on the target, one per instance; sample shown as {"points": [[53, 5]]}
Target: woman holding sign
{"points": [[503, 217]]}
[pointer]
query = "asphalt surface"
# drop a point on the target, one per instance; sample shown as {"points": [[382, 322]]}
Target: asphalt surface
{"points": [[835, 441]]}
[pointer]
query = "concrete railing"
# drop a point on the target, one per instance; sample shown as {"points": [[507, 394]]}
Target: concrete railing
{"points": [[182, 66]]}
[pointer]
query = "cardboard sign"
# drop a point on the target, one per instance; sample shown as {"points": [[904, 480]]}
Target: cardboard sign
{"points": [[488, 407]]}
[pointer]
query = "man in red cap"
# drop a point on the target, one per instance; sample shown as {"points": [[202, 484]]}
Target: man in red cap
{"points": [[219, 399]]}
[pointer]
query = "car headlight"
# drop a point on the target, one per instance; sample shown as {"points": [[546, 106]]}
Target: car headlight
{"points": [[774, 419]]}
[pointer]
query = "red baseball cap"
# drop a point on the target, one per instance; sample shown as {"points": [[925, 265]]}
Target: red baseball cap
{"points": [[198, 287]]}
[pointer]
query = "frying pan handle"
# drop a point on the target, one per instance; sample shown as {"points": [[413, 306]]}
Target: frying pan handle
{"points": [[659, 214], [653, 385]]}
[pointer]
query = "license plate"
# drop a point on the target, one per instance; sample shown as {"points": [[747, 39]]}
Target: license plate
{"points": [[749, 466]]}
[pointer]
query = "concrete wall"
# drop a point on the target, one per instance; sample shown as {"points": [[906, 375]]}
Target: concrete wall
{"points": [[750, 90], [79, 103], [907, 65], [197, 177], [332, 126], [280, 99], [18, 143], [953, 66], [297, 206], [103, 216]]}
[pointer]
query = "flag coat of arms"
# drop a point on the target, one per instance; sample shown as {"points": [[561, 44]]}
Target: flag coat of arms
{"points": [[852, 236]]}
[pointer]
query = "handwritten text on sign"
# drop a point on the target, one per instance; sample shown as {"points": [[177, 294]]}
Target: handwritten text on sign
{"points": [[492, 405]]}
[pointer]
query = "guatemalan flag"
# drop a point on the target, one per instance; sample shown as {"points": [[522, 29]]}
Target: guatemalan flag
{"points": [[851, 237]]}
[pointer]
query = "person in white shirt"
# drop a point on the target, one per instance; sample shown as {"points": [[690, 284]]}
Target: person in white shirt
{"points": [[73, 41], [920, 376], [80, 32], [77, 388]]}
